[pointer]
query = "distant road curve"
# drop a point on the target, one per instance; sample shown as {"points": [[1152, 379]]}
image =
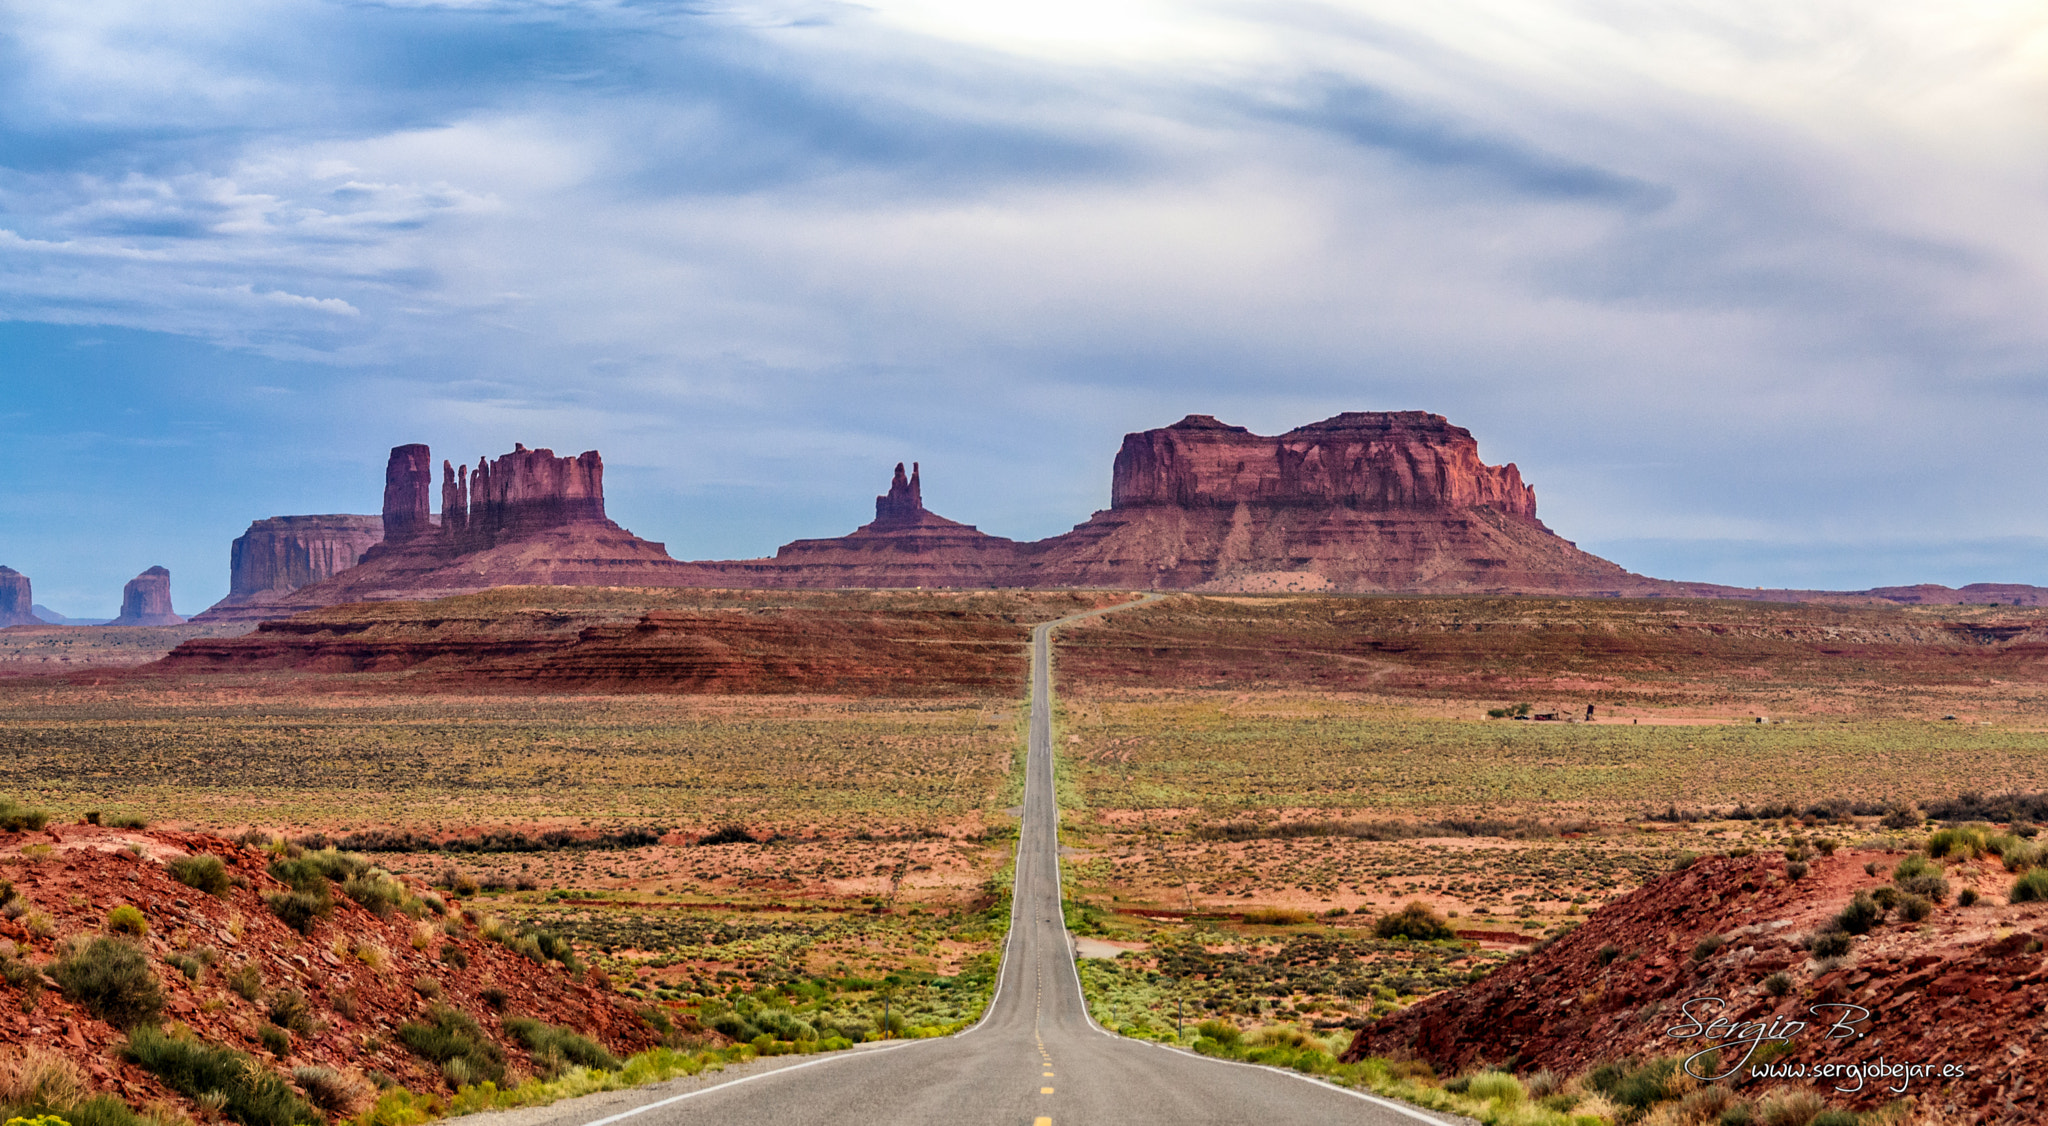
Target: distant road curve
{"points": [[1035, 1058]]}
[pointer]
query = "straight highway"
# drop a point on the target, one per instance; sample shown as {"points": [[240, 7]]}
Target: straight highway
{"points": [[1035, 1059]]}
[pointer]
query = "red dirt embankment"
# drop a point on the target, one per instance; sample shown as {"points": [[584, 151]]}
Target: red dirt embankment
{"points": [[1967, 988], [686, 641], [359, 972]]}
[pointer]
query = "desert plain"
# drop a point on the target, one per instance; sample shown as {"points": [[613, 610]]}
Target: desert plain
{"points": [[752, 811]]}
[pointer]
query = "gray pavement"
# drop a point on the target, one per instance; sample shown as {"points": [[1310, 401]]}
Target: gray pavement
{"points": [[1035, 1059]]}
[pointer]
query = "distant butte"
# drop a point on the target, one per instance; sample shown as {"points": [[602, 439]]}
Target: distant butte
{"points": [[283, 553], [528, 518], [1366, 501], [146, 601], [17, 605]]}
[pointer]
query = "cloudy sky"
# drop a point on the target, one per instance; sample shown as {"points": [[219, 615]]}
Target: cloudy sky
{"points": [[1752, 290]]}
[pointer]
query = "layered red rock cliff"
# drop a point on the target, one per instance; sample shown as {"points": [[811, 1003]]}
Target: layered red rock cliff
{"points": [[146, 601], [283, 553], [17, 605], [1370, 501], [527, 518], [1364, 501]]}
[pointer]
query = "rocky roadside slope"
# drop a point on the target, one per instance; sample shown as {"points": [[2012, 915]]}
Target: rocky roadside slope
{"points": [[232, 973], [1962, 991]]}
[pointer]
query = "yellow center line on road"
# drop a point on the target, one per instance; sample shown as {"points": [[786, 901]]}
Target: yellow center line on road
{"points": [[1041, 1122], [1045, 1090]]}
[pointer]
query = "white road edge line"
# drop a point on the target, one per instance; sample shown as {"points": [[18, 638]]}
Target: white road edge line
{"points": [[833, 1058]]}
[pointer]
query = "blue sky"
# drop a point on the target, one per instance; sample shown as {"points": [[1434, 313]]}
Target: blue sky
{"points": [[1751, 291]]}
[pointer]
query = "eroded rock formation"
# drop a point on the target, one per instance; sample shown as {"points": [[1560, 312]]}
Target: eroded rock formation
{"points": [[283, 553], [1368, 460], [146, 600], [906, 545], [408, 477], [526, 518], [1366, 501], [17, 605]]}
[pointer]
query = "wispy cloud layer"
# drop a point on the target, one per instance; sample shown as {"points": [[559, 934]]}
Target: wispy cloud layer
{"points": [[1772, 269]]}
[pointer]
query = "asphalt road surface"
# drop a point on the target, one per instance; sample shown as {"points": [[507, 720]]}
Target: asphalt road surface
{"points": [[1035, 1059]]}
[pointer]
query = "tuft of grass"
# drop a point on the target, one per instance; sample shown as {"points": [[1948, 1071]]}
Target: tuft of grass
{"points": [[553, 1046], [1497, 1087], [247, 981], [2031, 887], [202, 872], [249, 1093], [18, 818], [112, 979], [1962, 841], [127, 919], [377, 890], [331, 1090], [289, 1009], [466, 1055], [1859, 916]]}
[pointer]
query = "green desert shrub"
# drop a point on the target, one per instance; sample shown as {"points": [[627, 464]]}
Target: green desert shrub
{"points": [[289, 1009], [466, 1055], [377, 890], [127, 919], [2031, 887], [299, 910], [252, 1094], [275, 1040], [1915, 908], [201, 872], [112, 979], [1830, 944], [1707, 947], [1417, 921], [247, 981], [551, 1043], [331, 1090], [1967, 842], [17, 818], [1496, 1086], [1917, 875], [1859, 916]]}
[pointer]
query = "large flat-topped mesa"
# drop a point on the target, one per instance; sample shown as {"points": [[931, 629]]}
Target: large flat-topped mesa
{"points": [[1363, 501], [278, 555], [1394, 460]]}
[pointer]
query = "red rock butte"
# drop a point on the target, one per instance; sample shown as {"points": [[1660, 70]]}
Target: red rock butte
{"points": [[528, 518], [1367, 501], [17, 604], [146, 601], [283, 553]]}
